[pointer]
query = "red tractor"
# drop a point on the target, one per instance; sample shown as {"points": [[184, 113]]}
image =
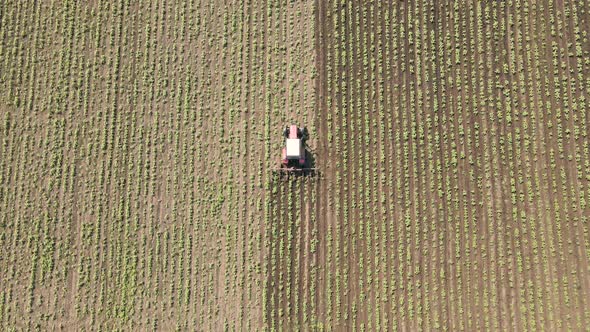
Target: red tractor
{"points": [[294, 156]]}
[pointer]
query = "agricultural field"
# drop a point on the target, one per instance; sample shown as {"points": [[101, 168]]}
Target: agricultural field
{"points": [[139, 142]]}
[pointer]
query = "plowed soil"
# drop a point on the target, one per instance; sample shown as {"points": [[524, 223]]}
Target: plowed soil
{"points": [[139, 144]]}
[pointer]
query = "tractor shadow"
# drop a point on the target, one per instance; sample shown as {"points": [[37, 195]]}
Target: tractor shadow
{"points": [[310, 159]]}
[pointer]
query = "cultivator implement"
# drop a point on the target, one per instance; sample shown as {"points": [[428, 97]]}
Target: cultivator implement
{"points": [[286, 173]]}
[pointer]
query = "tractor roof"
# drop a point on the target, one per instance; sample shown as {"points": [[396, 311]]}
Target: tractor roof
{"points": [[294, 150]]}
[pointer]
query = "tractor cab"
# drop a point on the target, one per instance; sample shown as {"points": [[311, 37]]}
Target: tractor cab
{"points": [[294, 151]]}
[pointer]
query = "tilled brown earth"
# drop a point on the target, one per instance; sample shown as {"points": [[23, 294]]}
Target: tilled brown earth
{"points": [[138, 143], [454, 165]]}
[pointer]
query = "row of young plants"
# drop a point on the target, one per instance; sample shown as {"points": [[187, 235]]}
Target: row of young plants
{"points": [[291, 281], [456, 164], [128, 203], [464, 115]]}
